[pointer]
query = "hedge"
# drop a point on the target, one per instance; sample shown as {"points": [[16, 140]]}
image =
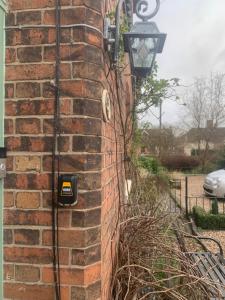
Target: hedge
{"points": [[180, 162], [208, 220]]}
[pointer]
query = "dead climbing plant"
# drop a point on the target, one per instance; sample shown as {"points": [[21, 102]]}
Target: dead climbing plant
{"points": [[149, 263]]}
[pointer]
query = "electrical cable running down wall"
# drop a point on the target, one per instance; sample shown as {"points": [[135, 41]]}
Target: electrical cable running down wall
{"points": [[56, 155]]}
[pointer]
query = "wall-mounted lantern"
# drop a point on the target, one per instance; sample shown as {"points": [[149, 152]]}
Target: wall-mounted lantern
{"points": [[143, 41]]}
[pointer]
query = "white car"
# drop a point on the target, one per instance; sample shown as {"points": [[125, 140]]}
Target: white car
{"points": [[214, 184]]}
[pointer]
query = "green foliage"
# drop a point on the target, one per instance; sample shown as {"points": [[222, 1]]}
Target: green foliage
{"points": [[136, 142], [215, 208], [221, 160], [153, 167], [195, 152], [209, 167], [150, 164], [208, 220], [151, 90], [124, 27]]}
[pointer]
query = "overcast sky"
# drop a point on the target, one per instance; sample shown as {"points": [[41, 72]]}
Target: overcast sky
{"points": [[195, 44]]}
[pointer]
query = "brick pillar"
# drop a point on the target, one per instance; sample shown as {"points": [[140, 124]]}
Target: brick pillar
{"points": [[89, 147]]}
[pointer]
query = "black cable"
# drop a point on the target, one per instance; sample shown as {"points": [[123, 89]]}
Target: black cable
{"points": [[55, 232], [58, 62]]}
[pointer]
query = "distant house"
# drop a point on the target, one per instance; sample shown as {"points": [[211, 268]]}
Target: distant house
{"points": [[157, 141], [200, 139]]}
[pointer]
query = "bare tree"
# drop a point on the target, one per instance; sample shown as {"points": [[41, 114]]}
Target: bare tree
{"points": [[206, 113], [159, 142]]}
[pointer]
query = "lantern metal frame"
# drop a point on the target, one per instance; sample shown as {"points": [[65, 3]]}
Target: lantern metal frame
{"points": [[112, 32], [144, 30]]}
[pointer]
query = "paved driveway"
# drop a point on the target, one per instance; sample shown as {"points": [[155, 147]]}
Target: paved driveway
{"points": [[196, 195]]}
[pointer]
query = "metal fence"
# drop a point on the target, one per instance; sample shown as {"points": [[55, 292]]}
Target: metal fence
{"points": [[187, 192]]}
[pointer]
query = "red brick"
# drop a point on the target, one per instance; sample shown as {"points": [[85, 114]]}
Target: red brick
{"points": [[27, 90], [75, 126], [64, 144], [92, 274], [13, 37], [9, 90], [80, 15], [97, 4], [91, 292], [29, 54], [10, 108], [87, 218], [13, 143], [27, 163], [86, 144], [9, 126], [88, 35], [37, 36], [86, 256], [10, 19], [9, 273], [28, 255], [67, 238], [8, 199], [27, 200], [32, 144], [89, 200], [10, 55], [89, 181], [27, 217], [75, 52], [27, 292], [27, 126], [64, 256], [9, 163], [26, 236], [81, 126], [74, 276], [73, 238], [69, 276], [72, 88], [65, 71], [87, 71], [29, 17], [25, 273], [28, 181], [87, 108], [25, 4], [8, 236], [64, 218], [30, 72], [74, 163]]}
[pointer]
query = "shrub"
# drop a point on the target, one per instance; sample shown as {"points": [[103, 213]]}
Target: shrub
{"points": [[150, 164], [208, 220], [215, 209], [179, 162]]}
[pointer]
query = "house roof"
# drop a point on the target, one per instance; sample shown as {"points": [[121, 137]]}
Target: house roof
{"points": [[214, 135], [157, 131]]}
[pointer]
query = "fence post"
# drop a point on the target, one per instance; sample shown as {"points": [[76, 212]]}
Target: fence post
{"points": [[186, 195]]}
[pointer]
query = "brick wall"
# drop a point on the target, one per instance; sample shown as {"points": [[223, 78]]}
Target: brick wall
{"points": [[90, 148]]}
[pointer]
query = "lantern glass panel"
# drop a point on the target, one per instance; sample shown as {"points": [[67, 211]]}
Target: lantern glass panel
{"points": [[143, 51]]}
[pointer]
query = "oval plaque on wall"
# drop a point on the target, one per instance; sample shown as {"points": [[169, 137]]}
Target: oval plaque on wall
{"points": [[106, 106]]}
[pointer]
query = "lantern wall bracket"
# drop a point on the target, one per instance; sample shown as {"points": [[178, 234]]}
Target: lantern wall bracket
{"points": [[112, 32], [142, 7]]}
